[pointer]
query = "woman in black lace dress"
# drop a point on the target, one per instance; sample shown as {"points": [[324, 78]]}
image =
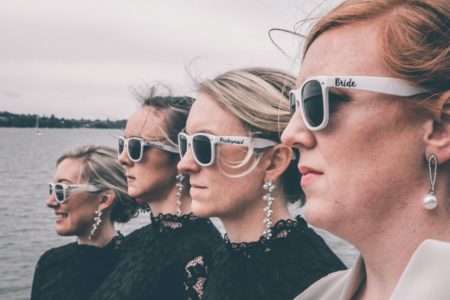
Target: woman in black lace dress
{"points": [[241, 173], [88, 194], [155, 256]]}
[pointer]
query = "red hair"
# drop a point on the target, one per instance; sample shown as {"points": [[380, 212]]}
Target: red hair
{"points": [[420, 30]]}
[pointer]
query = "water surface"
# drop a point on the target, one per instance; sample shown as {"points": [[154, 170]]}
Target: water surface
{"points": [[27, 163]]}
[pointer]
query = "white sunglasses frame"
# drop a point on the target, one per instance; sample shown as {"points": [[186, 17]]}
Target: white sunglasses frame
{"points": [[383, 85], [153, 144], [66, 188], [241, 141]]}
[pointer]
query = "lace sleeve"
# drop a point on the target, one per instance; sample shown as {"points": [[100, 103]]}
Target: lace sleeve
{"points": [[196, 273]]}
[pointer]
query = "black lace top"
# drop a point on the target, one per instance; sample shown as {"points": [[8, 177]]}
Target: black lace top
{"points": [[278, 268], [155, 258], [74, 271]]}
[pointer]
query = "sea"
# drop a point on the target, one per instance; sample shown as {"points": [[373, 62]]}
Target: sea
{"points": [[27, 164]]}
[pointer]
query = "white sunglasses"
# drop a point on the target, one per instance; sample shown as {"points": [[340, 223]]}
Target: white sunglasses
{"points": [[313, 96], [203, 145], [135, 147], [62, 190]]}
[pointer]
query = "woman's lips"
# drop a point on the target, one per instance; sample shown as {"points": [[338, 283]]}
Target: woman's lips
{"points": [[196, 186], [195, 189], [130, 178], [309, 175], [60, 216]]}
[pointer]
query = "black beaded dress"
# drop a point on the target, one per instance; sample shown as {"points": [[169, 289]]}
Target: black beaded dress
{"points": [[74, 271], [155, 260], [276, 269]]}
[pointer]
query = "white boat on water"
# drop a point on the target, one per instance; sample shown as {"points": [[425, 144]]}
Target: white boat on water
{"points": [[37, 126]]}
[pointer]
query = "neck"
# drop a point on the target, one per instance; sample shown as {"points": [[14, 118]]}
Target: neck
{"points": [[103, 235], [168, 203], [387, 253], [248, 225]]}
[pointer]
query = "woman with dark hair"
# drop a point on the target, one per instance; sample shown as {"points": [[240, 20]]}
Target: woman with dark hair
{"points": [[373, 126], [156, 256], [88, 194], [240, 173]]}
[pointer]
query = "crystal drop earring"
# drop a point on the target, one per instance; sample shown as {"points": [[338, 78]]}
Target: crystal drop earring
{"points": [[97, 222], [179, 179], [269, 187]]}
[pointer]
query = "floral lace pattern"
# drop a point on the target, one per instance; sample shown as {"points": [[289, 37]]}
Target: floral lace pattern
{"points": [[196, 272], [169, 221], [280, 230], [154, 259], [280, 267], [116, 241]]}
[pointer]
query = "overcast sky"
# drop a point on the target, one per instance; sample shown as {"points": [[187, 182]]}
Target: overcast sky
{"points": [[81, 58]]}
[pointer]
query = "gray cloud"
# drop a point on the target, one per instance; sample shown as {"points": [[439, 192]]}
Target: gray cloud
{"points": [[86, 54]]}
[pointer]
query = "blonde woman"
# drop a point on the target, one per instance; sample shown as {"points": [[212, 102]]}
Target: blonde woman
{"points": [[88, 194], [241, 173], [373, 126]]}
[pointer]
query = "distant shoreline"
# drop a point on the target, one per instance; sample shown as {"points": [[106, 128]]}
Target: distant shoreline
{"points": [[48, 128], [12, 120]]}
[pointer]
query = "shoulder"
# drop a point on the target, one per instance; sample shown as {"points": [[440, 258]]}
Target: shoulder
{"points": [[56, 255], [329, 287], [293, 238], [140, 231], [311, 246], [49, 269], [430, 263], [197, 237]]}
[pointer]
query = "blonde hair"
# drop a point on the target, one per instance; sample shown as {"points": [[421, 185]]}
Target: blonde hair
{"points": [[421, 33], [258, 97], [100, 167]]}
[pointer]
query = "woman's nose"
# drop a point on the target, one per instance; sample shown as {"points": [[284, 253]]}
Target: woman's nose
{"points": [[296, 134], [123, 157], [187, 164], [51, 201]]}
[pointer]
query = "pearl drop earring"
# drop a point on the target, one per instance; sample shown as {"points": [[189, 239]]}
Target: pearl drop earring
{"points": [[430, 201]]}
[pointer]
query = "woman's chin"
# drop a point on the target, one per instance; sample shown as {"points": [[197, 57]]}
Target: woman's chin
{"points": [[132, 192], [200, 210], [63, 232], [313, 214]]}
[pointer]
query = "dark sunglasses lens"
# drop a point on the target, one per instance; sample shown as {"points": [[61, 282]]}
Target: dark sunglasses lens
{"points": [[134, 148], [292, 102], [120, 146], [313, 103], [59, 192], [182, 144], [202, 148]]}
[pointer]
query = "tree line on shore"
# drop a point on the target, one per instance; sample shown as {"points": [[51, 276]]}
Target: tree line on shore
{"points": [[8, 119]]}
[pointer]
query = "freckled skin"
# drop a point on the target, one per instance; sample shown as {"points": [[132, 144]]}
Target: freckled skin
{"points": [[370, 154], [221, 196]]}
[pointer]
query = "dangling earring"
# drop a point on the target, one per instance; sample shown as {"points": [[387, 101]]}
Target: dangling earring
{"points": [[97, 222], [268, 198], [179, 179], [430, 201]]}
